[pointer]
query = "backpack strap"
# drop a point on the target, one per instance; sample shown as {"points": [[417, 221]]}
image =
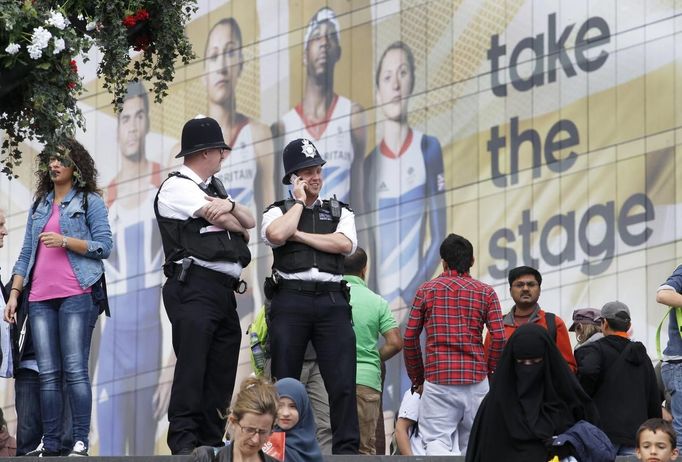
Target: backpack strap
{"points": [[551, 325], [678, 316]]}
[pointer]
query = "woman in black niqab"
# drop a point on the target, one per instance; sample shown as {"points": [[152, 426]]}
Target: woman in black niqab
{"points": [[533, 397]]}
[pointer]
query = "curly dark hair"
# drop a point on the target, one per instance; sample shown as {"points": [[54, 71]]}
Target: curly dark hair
{"points": [[85, 172]]}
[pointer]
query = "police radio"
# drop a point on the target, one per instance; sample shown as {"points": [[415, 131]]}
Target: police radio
{"points": [[335, 207], [219, 187]]}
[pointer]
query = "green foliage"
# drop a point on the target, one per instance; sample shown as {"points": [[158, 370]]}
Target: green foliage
{"points": [[159, 39], [39, 82], [38, 92]]}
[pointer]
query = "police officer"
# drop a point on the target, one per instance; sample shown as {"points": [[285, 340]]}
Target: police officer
{"points": [[309, 239], [205, 236]]}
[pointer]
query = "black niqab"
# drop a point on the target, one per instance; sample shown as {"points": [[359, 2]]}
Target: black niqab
{"points": [[528, 403]]}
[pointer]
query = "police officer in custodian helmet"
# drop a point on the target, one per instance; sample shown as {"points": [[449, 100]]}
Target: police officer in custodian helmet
{"points": [[205, 236]]}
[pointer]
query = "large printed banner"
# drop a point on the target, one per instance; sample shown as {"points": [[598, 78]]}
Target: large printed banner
{"points": [[543, 131]]}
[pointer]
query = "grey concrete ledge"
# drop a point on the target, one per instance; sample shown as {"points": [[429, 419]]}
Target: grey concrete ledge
{"points": [[326, 458]]}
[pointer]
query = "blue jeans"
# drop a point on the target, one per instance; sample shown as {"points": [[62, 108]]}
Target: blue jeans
{"points": [[29, 417], [61, 333], [672, 380], [27, 402]]}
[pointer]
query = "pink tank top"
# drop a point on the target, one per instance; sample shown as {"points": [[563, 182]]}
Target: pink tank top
{"points": [[53, 276]]}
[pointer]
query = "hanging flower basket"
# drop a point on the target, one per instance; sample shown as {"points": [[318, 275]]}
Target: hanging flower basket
{"points": [[39, 42], [154, 29], [39, 83]]}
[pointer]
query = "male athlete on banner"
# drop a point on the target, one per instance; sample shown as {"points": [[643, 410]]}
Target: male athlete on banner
{"points": [[130, 354], [334, 123]]}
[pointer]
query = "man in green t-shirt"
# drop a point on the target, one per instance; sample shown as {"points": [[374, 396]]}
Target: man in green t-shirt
{"points": [[371, 317]]}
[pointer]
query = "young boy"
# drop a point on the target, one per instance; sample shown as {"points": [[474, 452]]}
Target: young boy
{"points": [[656, 441]]}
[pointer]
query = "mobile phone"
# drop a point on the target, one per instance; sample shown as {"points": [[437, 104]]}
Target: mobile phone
{"points": [[293, 178]]}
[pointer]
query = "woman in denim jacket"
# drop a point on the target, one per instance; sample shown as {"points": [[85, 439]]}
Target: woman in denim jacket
{"points": [[67, 236]]}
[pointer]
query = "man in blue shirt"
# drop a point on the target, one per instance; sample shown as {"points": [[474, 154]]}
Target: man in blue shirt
{"points": [[670, 293]]}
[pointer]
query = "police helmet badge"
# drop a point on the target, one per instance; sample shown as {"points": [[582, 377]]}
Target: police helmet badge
{"points": [[307, 148], [299, 154]]}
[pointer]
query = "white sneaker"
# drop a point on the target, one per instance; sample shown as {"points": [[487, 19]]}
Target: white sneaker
{"points": [[79, 449], [40, 451]]}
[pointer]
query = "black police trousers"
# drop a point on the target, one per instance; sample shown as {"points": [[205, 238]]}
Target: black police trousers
{"points": [[324, 318], [206, 339]]}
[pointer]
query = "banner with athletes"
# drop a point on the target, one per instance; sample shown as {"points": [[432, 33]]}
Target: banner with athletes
{"points": [[543, 131]]}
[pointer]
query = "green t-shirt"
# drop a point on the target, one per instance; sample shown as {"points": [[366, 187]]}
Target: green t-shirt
{"points": [[371, 317]]}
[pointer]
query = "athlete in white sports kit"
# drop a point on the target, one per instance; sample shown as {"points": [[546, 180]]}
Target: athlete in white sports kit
{"points": [[336, 126], [247, 171], [334, 123], [404, 186], [130, 346]]}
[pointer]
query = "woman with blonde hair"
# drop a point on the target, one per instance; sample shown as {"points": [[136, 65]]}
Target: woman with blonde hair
{"points": [[250, 423], [586, 325]]}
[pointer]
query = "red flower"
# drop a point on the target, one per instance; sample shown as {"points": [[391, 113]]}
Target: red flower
{"points": [[74, 68], [129, 21], [142, 15]]}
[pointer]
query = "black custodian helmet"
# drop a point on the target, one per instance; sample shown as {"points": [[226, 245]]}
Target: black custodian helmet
{"points": [[299, 154], [201, 133]]}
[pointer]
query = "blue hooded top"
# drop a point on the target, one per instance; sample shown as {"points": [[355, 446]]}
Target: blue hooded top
{"points": [[300, 442]]}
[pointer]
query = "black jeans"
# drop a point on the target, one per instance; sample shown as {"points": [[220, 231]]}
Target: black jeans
{"points": [[206, 338], [325, 319]]}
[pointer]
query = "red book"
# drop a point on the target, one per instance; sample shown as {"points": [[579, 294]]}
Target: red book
{"points": [[275, 445]]}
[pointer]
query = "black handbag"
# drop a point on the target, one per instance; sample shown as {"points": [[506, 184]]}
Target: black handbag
{"points": [[19, 329], [100, 297]]}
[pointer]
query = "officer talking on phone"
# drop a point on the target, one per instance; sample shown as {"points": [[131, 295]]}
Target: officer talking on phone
{"points": [[205, 241], [310, 238]]}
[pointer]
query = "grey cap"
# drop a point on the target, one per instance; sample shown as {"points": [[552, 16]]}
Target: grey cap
{"points": [[585, 316], [615, 310]]}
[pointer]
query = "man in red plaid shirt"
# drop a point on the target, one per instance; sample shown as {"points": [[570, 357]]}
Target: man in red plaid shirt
{"points": [[453, 308]]}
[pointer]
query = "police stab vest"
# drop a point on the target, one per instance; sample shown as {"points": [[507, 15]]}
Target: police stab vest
{"points": [[184, 238], [294, 257]]}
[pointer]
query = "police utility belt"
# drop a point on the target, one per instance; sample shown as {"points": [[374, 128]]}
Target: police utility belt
{"points": [[181, 271], [276, 282]]}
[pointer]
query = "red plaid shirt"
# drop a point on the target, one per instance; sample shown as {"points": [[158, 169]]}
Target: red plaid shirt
{"points": [[453, 308]]}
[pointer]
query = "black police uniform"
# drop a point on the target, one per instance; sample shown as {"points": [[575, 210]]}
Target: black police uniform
{"points": [[200, 304], [303, 311]]}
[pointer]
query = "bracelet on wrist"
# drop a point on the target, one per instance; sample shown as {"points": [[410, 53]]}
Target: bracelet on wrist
{"points": [[14, 288], [299, 201], [234, 204], [63, 242]]}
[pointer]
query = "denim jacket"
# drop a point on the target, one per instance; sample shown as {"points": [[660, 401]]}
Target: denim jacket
{"points": [[674, 347], [92, 227]]}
